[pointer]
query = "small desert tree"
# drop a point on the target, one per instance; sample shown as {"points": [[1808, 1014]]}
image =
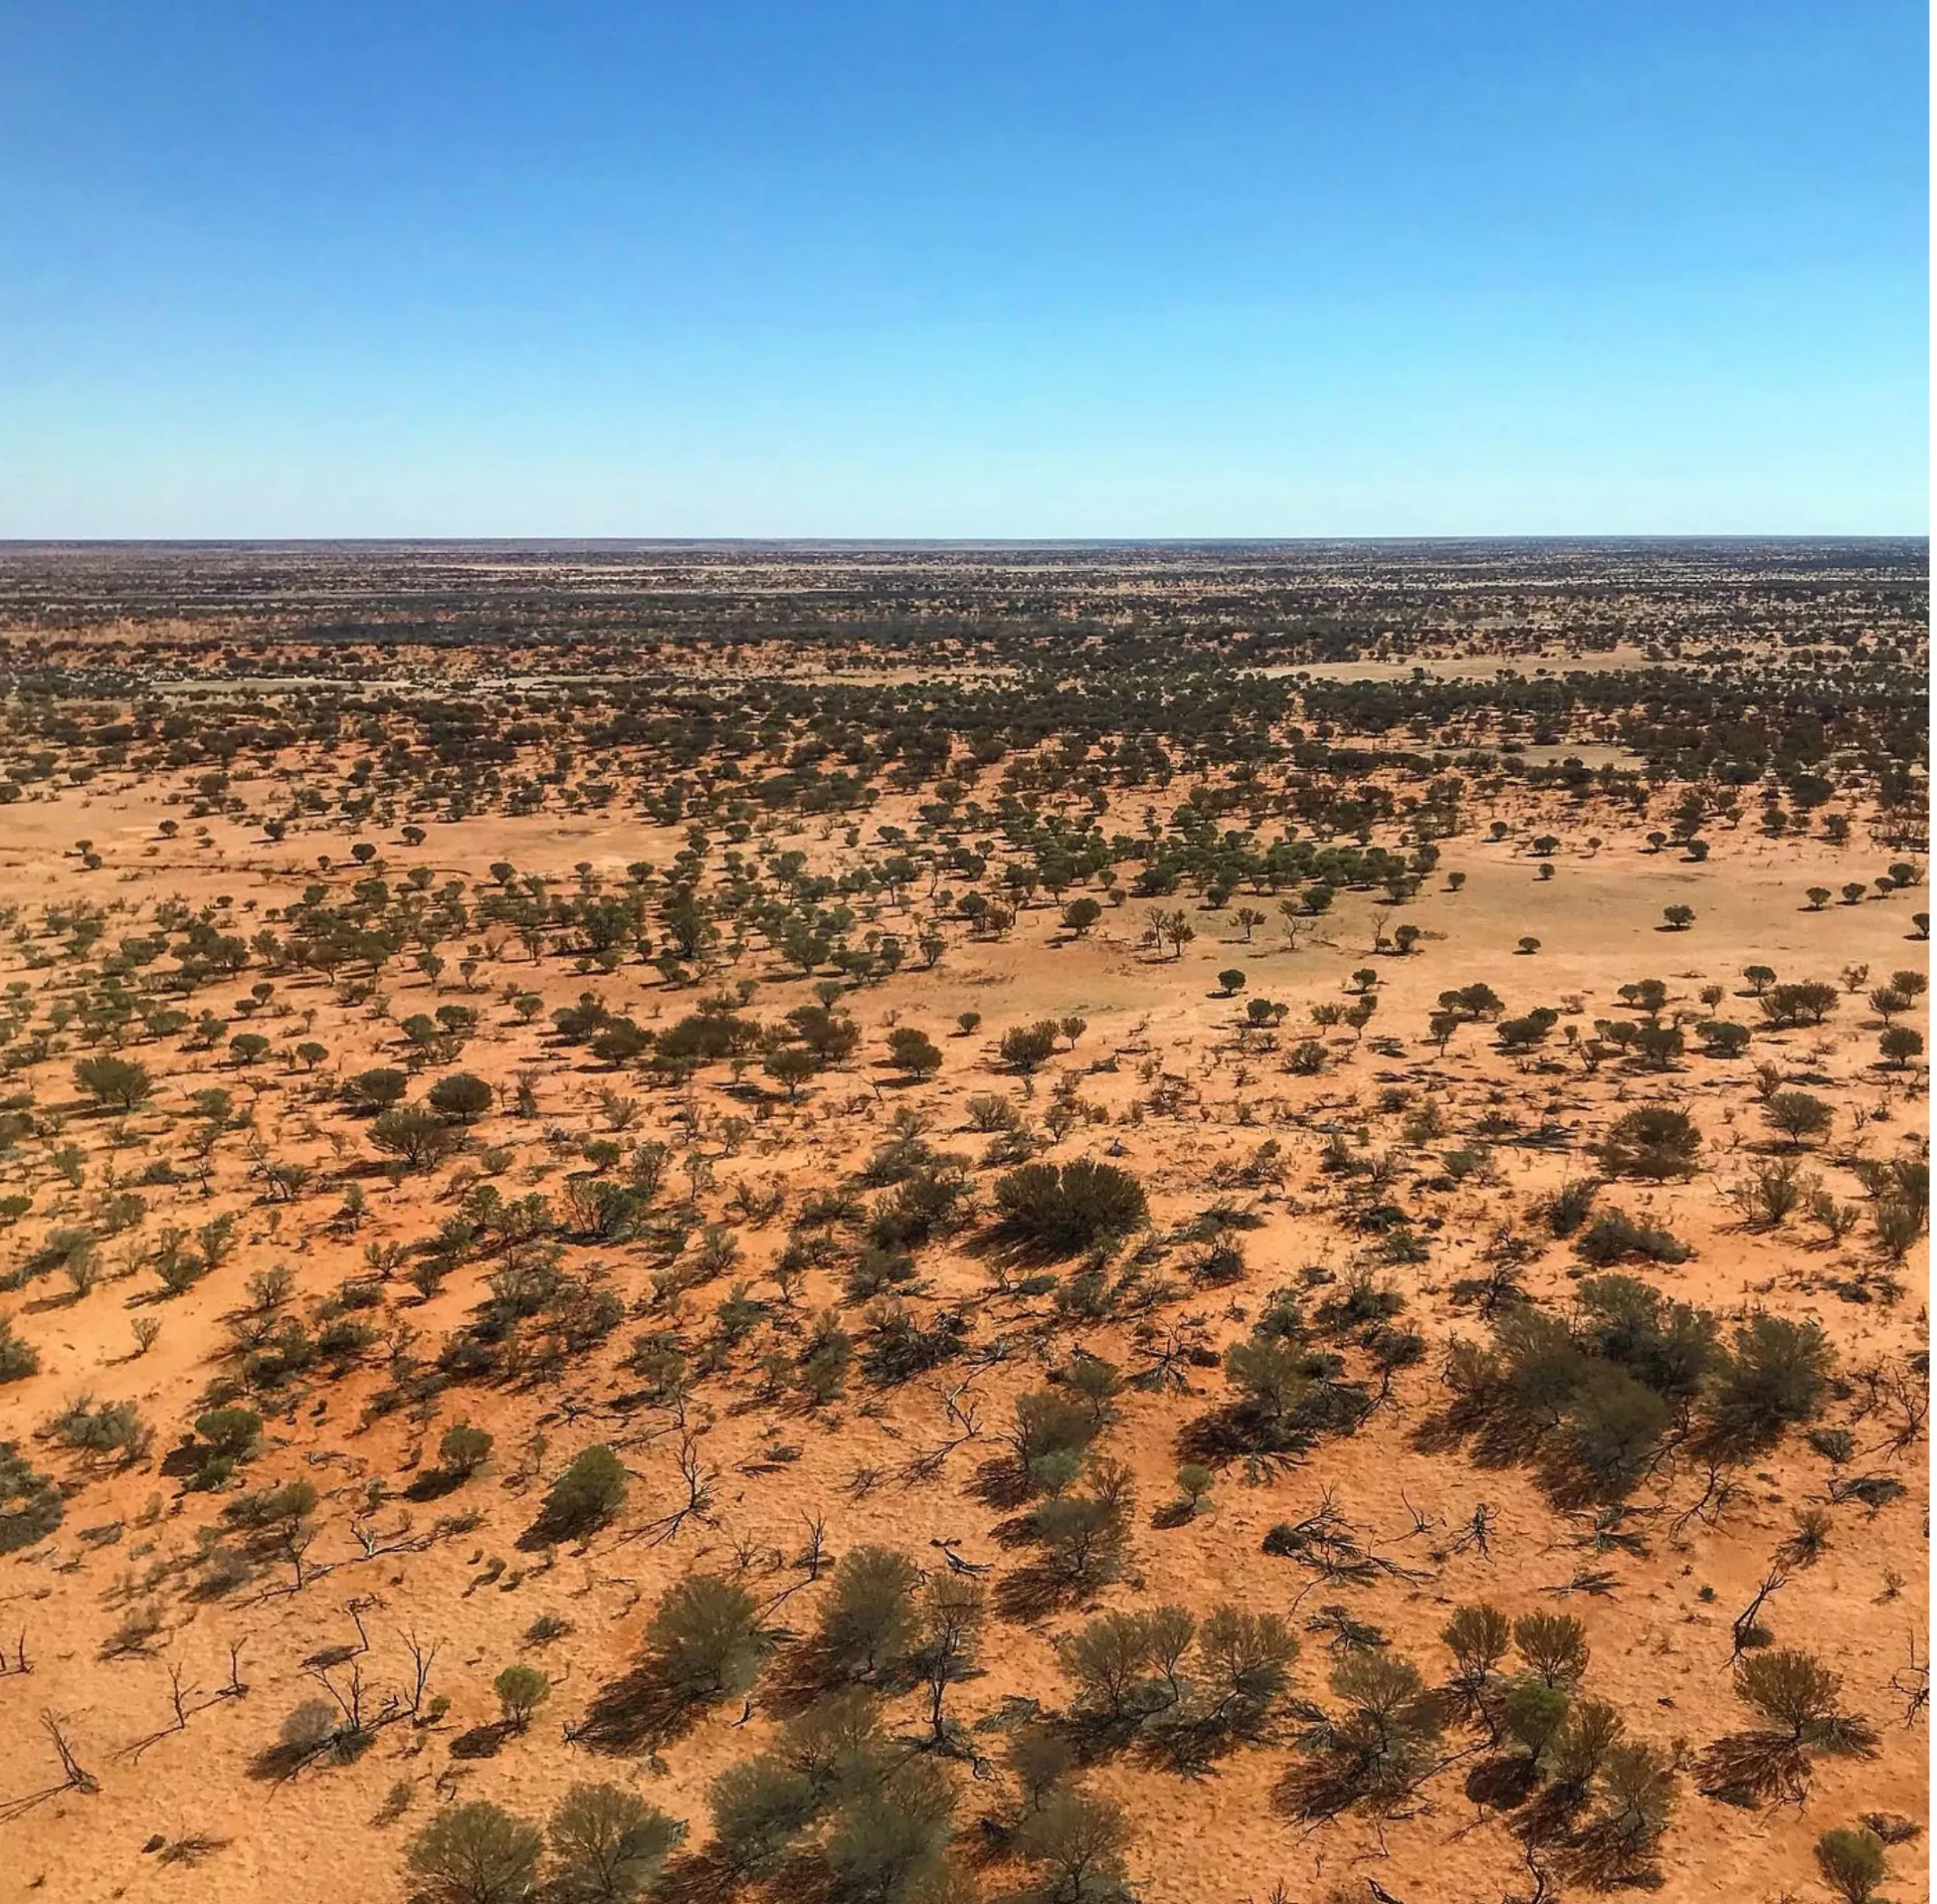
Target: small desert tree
{"points": [[461, 1097], [1652, 1140], [521, 1690], [705, 1639], [589, 1492], [951, 1611], [462, 1450], [1375, 1750], [1796, 1115], [913, 1052], [416, 1136], [1061, 1210], [1851, 1863], [1478, 1637], [109, 1080], [608, 1846], [1636, 1800], [1554, 1646], [1027, 1048], [868, 1617], [476, 1854], [1775, 1377], [1078, 1840], [1797, 1696], [790, 1067]]}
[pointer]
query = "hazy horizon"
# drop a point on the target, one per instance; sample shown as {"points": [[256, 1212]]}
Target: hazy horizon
{"points": [[1691, 538]]}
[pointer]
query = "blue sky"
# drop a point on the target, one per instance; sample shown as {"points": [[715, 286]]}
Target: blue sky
{"points": [[1064, 267]]}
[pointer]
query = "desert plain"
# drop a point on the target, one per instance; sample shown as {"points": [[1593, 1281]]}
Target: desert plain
{"points": [[1237, 1222]]}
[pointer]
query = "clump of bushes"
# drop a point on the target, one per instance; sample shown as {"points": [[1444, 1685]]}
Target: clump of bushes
{"points": [[1614, 1237], [1060, 1210], [1655, 1141], [30, 1503], [1590, 1396], [603, 1845]]}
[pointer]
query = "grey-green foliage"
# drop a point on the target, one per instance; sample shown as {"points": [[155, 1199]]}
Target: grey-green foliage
{"points": [[867, 1618], [18, 1356], [882, 1813], [1186, 1685], [103, 1429], [1375, 1750], [30, 1504], [476, 1853], [1076, 1839], [586, 1496], [705, 1639], [1851, 1863], [608, 1844]]}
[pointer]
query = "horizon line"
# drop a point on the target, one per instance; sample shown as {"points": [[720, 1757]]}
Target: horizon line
{"points": [[1543, 537]]}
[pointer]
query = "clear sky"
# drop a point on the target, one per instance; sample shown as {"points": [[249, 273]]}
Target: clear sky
{"points": [[1017, 268]]}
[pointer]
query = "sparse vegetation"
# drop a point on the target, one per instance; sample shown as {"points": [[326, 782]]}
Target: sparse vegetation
{"points": [[414, 1196]]}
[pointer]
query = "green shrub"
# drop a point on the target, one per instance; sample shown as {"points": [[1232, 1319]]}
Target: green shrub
{"points": [[1078, 1839], [462, 1450], [1478, 1637], [110, 1428], [417, 1138], [1027, 1048], [230, 1432], [1652, 1140], [759, 1806], [891, 1835], [1567, 1209], [913, 1052], [1061, 1210], [30, 1503], [1084, 1537], [475, 1854], [1851, 1863], [1554, 1646], [1612, 1426], [608, 1846], [461, 1097], [521, 1690], [1049, 1426], [867, 1618], [1195, 1484], [1635, 1799], [1533, 1714], [589, 1492], [1373, 1752], [825, 1359], [110, 1080], [19, 1358], [1669, 1345], [1796, 1115], [1244, 1660], [377, 1089], [1614, 1237], [1775, 1377], [704, 1639]]}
